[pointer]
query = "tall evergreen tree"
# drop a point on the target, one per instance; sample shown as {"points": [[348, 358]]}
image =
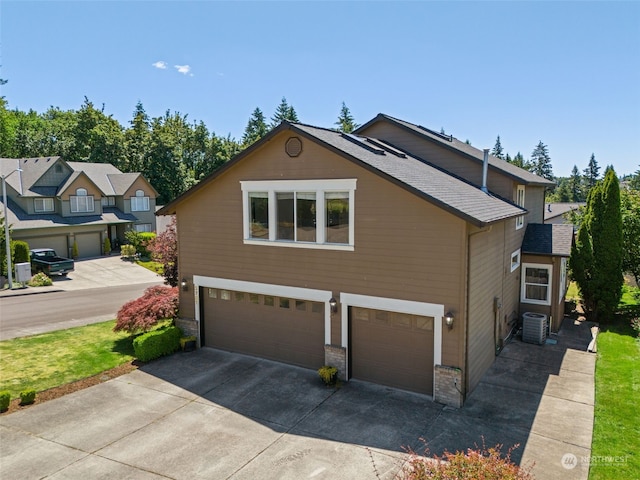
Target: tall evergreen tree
{"points": [[346, 122], [256, 128], [596, 258], [284, 112], [541, 161], [519, 161], [591, 173], [575, 186], [497, 150]]}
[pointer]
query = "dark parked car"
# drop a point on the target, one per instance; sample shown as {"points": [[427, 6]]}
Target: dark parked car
{"points": [[46, 260]]}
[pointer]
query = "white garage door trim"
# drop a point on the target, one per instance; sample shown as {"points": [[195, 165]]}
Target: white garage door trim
{"points": [[266, 289], [393, 305]]}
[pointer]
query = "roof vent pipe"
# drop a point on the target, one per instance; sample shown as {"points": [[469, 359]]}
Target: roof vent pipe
{"points": [[485, 167]]}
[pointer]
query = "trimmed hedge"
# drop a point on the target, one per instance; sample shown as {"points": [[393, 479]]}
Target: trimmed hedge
{"points": [[164, 341], [5, 399], [27, 397]]}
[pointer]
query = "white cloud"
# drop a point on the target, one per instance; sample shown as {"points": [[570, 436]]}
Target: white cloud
{"points": [[184, 69], [160, 64]]}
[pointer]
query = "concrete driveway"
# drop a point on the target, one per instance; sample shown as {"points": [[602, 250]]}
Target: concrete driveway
{"points": [[211, 414]]}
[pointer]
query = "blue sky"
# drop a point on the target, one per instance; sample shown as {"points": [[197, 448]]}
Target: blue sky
{"points": [[566, 73]]}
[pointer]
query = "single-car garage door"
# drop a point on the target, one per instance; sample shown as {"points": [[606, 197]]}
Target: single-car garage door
{"points": [[394, 349], [88, 245], [278, 328], [58, 243]]}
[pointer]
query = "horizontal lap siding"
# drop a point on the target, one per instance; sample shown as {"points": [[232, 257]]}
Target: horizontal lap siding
{"points": [[485, 283], [405, 247]]}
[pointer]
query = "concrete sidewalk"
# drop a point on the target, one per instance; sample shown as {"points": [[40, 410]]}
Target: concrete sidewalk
{"points": [[211, 414]]}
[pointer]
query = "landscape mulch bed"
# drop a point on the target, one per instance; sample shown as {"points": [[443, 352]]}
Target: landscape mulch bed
{"points": [[62, 390]]}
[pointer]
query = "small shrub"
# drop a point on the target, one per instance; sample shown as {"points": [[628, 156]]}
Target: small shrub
{"points": [[40, 280], [5, 399], [20, 251], [157, 343], [328, 374], [27, 397], [157, 303], [107, 246], [74, 250], [128, 251], [479, 463]]}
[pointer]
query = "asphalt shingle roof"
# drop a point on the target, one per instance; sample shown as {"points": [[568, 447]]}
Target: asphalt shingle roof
{"points": [[429, 181], [548, 239], [450, 142]]}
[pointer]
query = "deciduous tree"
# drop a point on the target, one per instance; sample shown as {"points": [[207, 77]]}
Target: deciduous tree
{"points": [[164, 249], [157, 303], [630, 209]]}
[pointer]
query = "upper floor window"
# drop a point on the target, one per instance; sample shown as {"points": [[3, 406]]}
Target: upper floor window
{"points": [[520, 203], [300, 213], [142, 227], [43, 205], [536, 283], [140, 203], [81, 202], [108, 201]]}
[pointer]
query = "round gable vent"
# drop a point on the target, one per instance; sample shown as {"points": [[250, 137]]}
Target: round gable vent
{"points": [[293, 147]]}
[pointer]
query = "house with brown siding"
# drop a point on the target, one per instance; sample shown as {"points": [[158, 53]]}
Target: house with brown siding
{"points": [[55, 204], [394, 254]]}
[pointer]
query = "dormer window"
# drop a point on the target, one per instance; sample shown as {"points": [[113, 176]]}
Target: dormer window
{"points": [[140, 203], [81, 202], [41, 205]]}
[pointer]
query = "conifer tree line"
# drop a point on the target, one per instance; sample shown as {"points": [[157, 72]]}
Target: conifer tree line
{"points": [[171, 151]]}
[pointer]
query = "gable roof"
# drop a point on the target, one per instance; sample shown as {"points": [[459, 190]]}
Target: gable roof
{"points": [[548, 239], [451, 143], [412, 173], [106, 177], [554, 210]]}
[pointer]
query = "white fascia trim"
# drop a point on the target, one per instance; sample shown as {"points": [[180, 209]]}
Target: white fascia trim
{"points": [[394, 305], [298, 293], [289, 244]]}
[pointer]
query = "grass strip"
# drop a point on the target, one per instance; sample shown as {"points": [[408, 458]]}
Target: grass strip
{"points": [[616, 431], [52, 359]]}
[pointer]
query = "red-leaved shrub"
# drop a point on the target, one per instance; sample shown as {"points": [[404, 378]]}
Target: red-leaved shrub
{"points": [[157, 303], [481, 463]]}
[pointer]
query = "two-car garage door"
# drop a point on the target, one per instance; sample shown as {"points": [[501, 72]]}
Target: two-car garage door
{"points": [[278, 328]]}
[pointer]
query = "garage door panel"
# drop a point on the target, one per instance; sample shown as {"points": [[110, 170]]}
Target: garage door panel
{"points": [[392, 349], [89, 245], [58, 243], [265, 329]]}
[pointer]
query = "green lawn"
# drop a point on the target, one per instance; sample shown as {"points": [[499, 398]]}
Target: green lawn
{"points": [[616, 434], [151, 265], [56, 358]]}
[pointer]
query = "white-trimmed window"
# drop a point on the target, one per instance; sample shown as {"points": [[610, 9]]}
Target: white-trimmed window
{"points": [[563, 279], [140, 203], [520, 203], [142, 227], [108, 201], [81, 202], [41, 205], [300, 213], [515, 260], [536, 283]]}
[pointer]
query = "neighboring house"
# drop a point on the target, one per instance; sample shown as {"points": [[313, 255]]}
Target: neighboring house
{"points": [[315, 247], [53, 203], [555, 212]]}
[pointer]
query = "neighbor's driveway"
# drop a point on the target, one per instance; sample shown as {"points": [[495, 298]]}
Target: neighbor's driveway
{"points": [[212, 414]]}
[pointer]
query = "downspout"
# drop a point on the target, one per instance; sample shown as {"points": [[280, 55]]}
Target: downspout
{"points": [[485, 168]]}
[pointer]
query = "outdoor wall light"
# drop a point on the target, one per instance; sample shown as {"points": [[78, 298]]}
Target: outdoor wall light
{"points": [[184, 284], [448, 319], [334, 305]]}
